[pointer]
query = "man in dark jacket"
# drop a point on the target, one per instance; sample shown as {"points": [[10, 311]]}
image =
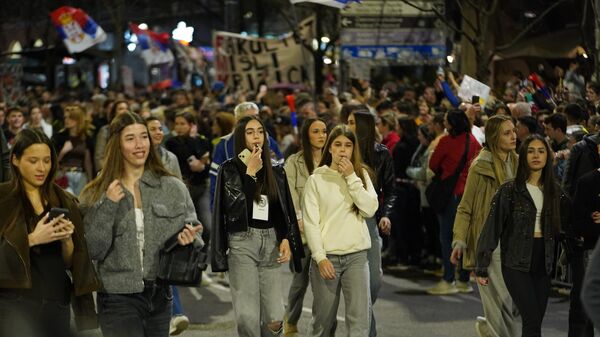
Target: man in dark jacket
{"points": [[584, 158], [4, 158]]}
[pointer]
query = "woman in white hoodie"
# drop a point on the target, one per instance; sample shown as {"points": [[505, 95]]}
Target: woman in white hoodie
{"points": [[338, 196]]}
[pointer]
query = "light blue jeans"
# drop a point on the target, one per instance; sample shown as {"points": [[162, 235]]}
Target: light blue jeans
{"points": [[352, 278], [255, 282], [375, 271]]}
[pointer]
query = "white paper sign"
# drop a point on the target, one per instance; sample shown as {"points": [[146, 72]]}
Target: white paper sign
{"points": [[470, 87], [260, 211]]}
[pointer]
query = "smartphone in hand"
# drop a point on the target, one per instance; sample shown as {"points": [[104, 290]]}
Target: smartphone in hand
{"points": [[55, 212], [245, 156]]}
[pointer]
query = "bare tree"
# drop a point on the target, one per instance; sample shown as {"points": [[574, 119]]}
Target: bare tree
{"points": [[477, 49]]}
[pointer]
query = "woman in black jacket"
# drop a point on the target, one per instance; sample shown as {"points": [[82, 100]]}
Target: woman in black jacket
{"points": [[525, 216], [377, 157], [255, 230]]}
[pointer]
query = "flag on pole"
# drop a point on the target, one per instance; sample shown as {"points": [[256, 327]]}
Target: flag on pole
{"points": [[331, 3], [77, 29], [155, 46]]}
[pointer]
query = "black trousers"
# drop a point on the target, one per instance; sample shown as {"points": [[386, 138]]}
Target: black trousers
{"points": [[25, 317], [530, 290], [579, 323]]}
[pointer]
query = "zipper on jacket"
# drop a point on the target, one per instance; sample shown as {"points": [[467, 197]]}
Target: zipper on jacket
{"points": [[20, 258]]}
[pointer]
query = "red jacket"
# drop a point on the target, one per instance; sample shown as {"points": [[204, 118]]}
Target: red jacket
{"points": [[390, 141], [447, 156]]}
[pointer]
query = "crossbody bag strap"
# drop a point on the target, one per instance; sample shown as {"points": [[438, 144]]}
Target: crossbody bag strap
{"points": [[463, 160]]}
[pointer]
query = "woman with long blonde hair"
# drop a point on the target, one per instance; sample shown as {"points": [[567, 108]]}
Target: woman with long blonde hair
{"points": [[495, 164], [74, 146]]}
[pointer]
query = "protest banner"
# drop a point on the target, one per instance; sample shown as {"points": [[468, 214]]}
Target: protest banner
{"points": [[244, 61], [470, 87]]}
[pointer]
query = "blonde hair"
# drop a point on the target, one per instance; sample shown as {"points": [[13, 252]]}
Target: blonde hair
{"points": [[78, 113], [493, 127]]}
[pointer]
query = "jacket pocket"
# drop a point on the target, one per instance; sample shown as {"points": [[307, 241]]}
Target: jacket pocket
{"points": [[163, 211]]}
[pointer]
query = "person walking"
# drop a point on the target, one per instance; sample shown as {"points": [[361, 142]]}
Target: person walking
{"points": [[525, 216], [298, 167], [495, 164], [131, 209], [255, 231], [456, 148], [338, 197], [39, 247]]}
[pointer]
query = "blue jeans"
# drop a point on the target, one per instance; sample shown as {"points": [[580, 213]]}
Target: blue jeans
{"points": [[255, 282], [446, 220], [145, 314], [375, 271], [23, 317], [177, 308]]}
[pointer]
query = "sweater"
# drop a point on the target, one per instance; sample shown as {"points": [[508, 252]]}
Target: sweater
{"points": [[447, 156], [331, 226]]}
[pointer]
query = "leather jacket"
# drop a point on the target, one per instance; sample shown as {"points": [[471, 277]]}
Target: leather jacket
{"points": [[512, 221], [230, 214], [15, 270], [384, 184]]}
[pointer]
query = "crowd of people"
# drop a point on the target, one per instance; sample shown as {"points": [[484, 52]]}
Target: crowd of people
{"points": [[338, 186]]}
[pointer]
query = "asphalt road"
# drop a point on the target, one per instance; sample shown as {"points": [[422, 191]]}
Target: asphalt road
{"points": [[403, 309]]}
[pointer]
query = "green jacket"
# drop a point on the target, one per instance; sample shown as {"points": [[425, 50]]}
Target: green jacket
{"points": [[472, 212]]}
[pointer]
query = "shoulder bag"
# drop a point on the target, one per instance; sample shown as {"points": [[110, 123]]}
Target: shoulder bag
{"points": [[439, 191], [182, 265]]}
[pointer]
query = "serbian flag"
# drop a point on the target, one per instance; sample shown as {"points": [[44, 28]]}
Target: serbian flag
{"points": [[77, 29], [155, 46], [331, 3]]}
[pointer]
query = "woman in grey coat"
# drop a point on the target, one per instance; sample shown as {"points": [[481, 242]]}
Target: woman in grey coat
{"points": [[130, 210]]}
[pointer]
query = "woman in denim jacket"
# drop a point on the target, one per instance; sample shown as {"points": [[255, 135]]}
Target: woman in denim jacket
{"points": [[525, 217], [131, 209]]}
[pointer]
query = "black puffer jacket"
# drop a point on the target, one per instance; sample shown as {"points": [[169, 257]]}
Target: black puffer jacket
{"points": [[230, 214], [512, 221], [384, 184]]}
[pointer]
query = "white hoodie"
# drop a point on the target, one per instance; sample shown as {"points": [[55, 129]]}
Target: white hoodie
{"points": [[330, 224]]}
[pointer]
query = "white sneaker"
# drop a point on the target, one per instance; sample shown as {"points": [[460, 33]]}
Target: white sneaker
{"points": [[482, 328], [443, 288], [178, 325], [464, 287]]}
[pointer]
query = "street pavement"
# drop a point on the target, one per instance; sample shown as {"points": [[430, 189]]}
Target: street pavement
{"points": [[402, 310]]}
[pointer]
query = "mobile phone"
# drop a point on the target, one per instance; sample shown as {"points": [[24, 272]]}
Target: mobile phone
{"points": [[55, 212], [475, 99], [245, 156]]}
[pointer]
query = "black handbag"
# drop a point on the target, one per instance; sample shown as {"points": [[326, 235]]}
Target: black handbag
{"points": [[182, 265], [439, 191]]}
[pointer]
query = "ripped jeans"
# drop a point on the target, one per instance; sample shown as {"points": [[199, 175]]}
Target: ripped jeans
{"points": [[255, 282]]}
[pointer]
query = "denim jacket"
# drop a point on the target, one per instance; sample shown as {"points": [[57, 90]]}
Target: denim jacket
{"points": [[512, 221]]}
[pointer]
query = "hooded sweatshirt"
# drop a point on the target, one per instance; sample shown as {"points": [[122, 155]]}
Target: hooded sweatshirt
{"points": [[331, 225]]}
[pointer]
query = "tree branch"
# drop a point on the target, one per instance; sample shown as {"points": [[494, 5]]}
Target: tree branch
{"points": [[531, 25], [445, 21], [462, 11]]}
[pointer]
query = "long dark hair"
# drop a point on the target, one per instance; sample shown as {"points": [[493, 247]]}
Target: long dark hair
{"points": [[550, 190], [357, 163], [266, 183], [305, 142], [114, 167], [365, 132], [48, 191], [458, 121]]}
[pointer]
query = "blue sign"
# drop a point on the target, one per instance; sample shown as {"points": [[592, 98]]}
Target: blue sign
{"points": [[405, 54]]}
